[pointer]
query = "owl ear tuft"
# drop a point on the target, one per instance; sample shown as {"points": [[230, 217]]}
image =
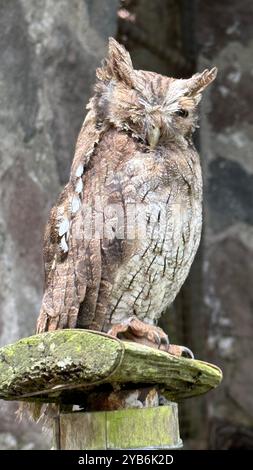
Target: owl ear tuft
{"points": [[200, 81], [118, 65]]}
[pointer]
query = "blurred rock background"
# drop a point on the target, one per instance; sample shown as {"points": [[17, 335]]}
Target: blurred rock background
{"points": [[49, 51]]}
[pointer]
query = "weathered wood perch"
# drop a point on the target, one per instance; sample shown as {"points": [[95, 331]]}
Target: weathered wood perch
{"points": [[106, 375]]}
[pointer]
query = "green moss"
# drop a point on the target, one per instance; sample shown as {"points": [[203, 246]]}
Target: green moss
{"points": [[10, 351], [150, 427]]}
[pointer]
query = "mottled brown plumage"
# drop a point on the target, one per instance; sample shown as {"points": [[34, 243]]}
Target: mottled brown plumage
{"points": [[122, 237]]}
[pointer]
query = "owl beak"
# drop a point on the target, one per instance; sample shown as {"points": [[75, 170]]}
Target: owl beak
{"points": [[153, 137]]}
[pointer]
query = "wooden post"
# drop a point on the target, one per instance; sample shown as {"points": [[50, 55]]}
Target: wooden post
{"points": [[116, 386], [126, 419], [141, 428]]}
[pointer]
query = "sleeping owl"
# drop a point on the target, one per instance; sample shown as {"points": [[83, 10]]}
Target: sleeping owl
{"points": [[123, 234]]}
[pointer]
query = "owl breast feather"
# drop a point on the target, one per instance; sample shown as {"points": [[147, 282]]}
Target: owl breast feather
{"points": [[161, 191]]}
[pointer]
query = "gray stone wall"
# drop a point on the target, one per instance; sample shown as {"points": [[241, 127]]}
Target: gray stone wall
{"points": [[49, 51], [225, 38]]}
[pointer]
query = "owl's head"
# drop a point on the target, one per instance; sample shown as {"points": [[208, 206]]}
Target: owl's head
{"points": [[152, 107]]}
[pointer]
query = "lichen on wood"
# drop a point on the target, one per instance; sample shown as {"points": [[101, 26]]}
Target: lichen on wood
{"points": [[57, 366]]}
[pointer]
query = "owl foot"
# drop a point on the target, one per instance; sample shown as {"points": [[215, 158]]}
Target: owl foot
{"points": [[135, 330], [138, 331]]}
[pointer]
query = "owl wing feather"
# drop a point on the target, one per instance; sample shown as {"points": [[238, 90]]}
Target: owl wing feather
{"points": [[79, 268], [67, 257]]}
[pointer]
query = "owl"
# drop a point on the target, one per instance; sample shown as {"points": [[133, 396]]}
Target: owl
{"points": [[123, 234]]}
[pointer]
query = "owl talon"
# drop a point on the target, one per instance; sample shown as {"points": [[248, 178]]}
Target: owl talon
{"points": [[180, 351], [165, 341], [186, 352], [158, 339]]}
